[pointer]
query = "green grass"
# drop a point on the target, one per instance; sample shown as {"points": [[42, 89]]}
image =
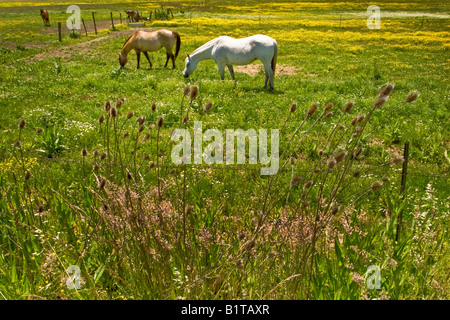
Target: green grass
{"points": [[232, 243]]}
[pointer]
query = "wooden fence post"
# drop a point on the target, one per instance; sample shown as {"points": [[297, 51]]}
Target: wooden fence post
{"points": [[112, 22], [59, 32], [402, 188], [82, 20], [95, 25]]}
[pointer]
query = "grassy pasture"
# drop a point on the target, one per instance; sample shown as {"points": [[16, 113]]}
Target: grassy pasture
{"points": [[219, 231]]}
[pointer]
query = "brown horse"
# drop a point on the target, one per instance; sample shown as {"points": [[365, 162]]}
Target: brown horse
{"points": [[133, 15], [45, 17], [142, 41]]}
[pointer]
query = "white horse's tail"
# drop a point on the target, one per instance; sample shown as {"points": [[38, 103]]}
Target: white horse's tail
{"points": [[274, 58]]}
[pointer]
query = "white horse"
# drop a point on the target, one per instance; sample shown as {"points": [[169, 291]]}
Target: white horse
{"points": [[227, 51]]}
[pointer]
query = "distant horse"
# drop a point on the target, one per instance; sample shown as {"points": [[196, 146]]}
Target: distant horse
{"points": [[142, 41], [45, 17], [227, 51], [133, 15]]}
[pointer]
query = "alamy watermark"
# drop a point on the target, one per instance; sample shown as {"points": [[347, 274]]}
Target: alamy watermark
{"points": [[213, 153], [373, 280], [74, 21], [73, 281], [374, 20]]}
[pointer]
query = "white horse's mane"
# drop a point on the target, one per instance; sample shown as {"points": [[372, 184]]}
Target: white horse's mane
{"points": [[206, 45]]}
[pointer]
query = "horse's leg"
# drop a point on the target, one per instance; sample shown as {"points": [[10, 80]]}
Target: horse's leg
{"points": [[138, 55], [168, 57], [269, 75], [230, 68], [148, 58], [172, 56], [221, 70]]}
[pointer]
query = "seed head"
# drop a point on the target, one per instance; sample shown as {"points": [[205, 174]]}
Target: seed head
{"points": [[316, 170], [113, 112], [312, 109], [84, 152], [107, 106], [150, 127], [295, 180], [146, 157], [186, 91], [154, 106], [141, 128], [17, 144], [385, 179], [189, 208], [160, 122], [348, 106], [329, 106], [412, 97], [147, 136], [376, 185], [101, 119], [130, 115], [293, 107], [39, 130], [207, 106], [129, 176], [334, 210], [102, 183], [382, 100], [331, 163], [103, 156], [329, 114], [194, 92], [120, 102], [341, 127], [27, 175], [292, 160], [22, 124], [141, 120], [95, 167], [320, 153], [41, 208], [126, 134], [308, 184], [172, 171], [151, 164], [387, 90], [357, 174], [340, 156]]}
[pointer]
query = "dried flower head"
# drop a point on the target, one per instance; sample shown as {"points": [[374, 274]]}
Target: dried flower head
{"points": [[120, 102], [96, 153], [341, 127], [320, 153], [328, 106], [146, 157], [361, 118], [141, 128], [102, 183], [382, 100], [376, 185], [312, 109], [331, 163], [95, 167], [208, 106], [340, 156], [147, 136], [194, 92], [160, 122], [140, 120], [387, 90], [356, 174], [150, 127], [412, 97], [27, 175], [101, 119], [39, 130], [292, 160], [385, 179], [126, 134], [41, 208], [295, 180], [172, 171], [130, 115], [113, 112], [84, 152], [189, 209], [348, 106], [154, 106], [334, 210], [17, 144], [293, 107], [107, 106], [151, 164], [22, 124], [308, 184], [186, 90], [129, 176], [103, 156], [354, 121]]}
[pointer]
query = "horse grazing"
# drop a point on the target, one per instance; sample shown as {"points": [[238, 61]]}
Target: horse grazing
{"points": [[45, 17], [133, 15], [227, 51], [142, 41]]}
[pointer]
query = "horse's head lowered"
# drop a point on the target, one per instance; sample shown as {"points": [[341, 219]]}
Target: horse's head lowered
{"points": [[191, 65], [122, 60]]}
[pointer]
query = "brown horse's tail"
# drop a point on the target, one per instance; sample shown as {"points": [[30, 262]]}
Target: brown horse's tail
{"points": [[274, 58], [177, 50]]}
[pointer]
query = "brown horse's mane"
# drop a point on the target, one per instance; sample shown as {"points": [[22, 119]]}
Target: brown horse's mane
{"points": [[129, 39]]}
